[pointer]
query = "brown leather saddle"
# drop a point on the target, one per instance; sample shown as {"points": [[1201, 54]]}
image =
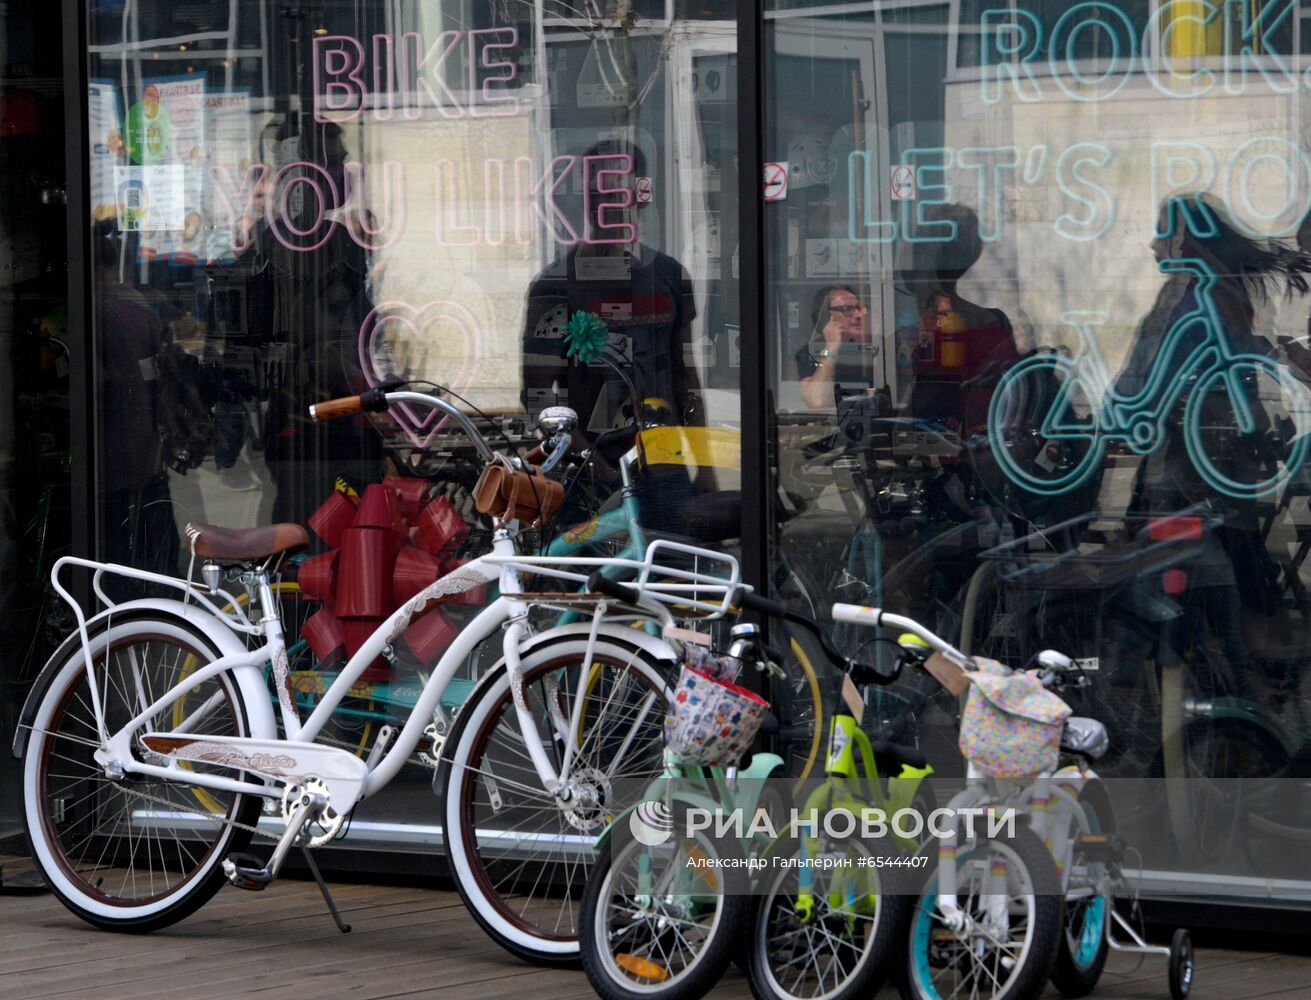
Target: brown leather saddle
{"points": [[245, 544]]}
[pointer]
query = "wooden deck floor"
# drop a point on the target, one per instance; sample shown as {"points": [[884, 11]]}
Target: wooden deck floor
{"points": [[404, 943]]}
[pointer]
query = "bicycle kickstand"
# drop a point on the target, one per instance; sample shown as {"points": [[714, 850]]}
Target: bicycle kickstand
{"points": [[342, 926]]}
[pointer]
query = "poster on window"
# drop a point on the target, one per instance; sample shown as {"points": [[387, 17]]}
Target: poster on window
{"points": [[166, 127], [229, 150], [151, 201], [106, 143]]}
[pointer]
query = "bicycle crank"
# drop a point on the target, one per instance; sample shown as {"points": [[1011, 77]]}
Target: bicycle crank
{"points": [[306, 807]]}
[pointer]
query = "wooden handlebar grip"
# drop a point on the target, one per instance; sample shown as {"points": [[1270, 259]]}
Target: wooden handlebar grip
{"points": [[332, 408]]}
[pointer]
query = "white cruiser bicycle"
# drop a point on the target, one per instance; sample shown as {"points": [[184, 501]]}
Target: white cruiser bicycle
{"points": [[150, 746]]}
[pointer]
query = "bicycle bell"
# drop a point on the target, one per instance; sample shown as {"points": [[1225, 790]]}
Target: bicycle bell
{"points": [[556, 420]]}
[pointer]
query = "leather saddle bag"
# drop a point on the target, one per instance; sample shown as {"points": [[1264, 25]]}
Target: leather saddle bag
{"points": [[526, 495]]}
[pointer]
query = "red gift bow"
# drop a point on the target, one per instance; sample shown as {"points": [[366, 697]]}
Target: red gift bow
{"points": [[386, 547]]}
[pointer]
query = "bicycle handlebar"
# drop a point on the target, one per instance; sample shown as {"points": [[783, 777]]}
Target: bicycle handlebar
{"points": [[857, 614], [331, 409], [861, 673], [380, 398]]}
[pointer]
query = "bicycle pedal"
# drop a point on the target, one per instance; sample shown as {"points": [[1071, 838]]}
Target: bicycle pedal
{"points": [[1108, 848], [246, 871]]}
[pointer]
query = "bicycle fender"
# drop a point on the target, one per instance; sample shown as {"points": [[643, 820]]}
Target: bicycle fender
{"points": [[762, 766], [250, 679], [1240, 710], [650, 644]]}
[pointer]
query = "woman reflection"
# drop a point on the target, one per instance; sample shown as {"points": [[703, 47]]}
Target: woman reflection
{"points": [[956, 342], [1246, 272]]}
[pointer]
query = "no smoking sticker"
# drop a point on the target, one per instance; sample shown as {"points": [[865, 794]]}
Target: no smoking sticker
{"points": [[903, 183], [643, 190], [776, 181]]}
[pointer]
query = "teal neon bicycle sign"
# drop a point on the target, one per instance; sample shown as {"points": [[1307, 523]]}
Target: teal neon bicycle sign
{"points": [[1230, 442]]}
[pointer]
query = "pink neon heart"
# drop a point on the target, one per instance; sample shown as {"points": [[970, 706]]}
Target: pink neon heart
{"points": [[419, 426]]}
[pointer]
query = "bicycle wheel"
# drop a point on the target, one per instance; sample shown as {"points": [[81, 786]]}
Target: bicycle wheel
{"points": [[1213, 765], [519, 854], [1008, 945], [1248, 426], [133, 853], [797, 701], [1042, 429], [662, 921], [1084, 943], [833, 938]]}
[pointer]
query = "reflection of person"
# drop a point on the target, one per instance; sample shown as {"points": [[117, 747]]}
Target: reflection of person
{"points": [[840, 347], [318, 305], [1247, 271], [955, 341], [645, 298], [135, 508]]}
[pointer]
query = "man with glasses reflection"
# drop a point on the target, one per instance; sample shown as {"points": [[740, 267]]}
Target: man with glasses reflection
{"points": [[840, 350]]}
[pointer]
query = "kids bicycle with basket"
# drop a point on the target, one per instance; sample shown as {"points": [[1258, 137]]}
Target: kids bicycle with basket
{"points": [[664, 915], [665, 904], [1004, 906]]}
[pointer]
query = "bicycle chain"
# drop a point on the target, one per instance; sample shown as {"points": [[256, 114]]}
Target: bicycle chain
{"points": [[416, 760]]}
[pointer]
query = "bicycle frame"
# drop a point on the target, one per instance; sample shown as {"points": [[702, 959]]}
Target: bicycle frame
{"points": [[1050, 800], [624, 520], [510, 610]]}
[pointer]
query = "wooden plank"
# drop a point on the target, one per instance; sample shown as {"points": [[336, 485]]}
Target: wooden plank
{"points": [[407, 943]]}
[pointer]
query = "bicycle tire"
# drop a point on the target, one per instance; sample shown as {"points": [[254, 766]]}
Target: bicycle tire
{"points": [[779, 922], [1205, 762], [488, 876], [653, 928], [798, 701], [1084, 943], [82, 868], [1034, 874]]}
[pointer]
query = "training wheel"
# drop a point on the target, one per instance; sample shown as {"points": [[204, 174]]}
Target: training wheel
{"points": [[1181, 964]]}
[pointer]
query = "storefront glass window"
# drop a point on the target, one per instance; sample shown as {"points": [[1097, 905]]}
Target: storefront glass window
{"points": [[36, 355], [1037, 341], [296, 202]]}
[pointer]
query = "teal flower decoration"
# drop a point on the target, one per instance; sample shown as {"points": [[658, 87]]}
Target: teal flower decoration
{"points": [[585, 336]]}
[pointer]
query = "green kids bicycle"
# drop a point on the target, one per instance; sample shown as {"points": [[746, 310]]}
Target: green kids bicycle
{"points": [[715, 865]]}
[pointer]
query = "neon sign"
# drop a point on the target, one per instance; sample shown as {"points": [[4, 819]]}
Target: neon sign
{"points": [[1175, 168], [394, 332], [509, 206], [1014, 42], [1089, 411], [405, 65]]}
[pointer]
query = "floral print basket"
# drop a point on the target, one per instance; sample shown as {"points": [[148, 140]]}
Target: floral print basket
{"points": [[1011, 726], [711, 722]]}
